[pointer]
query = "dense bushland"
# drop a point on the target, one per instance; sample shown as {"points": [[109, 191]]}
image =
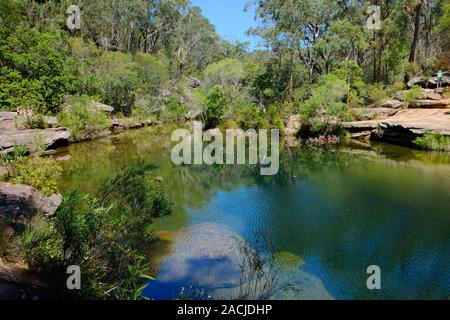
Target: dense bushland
{"points": [[140, 57]]}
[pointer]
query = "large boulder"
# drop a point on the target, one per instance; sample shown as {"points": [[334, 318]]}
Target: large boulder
{"points": [[417, 81], [433, 96], [20, 201], [432, 82], [50, 138], [103, 107], [211, 256], [393, 104]]}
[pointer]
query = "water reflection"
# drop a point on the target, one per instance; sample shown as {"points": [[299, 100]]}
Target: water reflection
{"points": [[339, 209]]}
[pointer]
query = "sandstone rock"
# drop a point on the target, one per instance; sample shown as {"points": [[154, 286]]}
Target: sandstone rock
{"points": [[5, 115], [9, 135], [52, 122], [394, 104], [434, 96], [441, 90], [194, 113], [431, 103], [417, 81], [50, 138], [429, 82], [209, 255], [20, 201], [103, 107], [375, 113], [65, 157], [292, 125], [405, 126]]}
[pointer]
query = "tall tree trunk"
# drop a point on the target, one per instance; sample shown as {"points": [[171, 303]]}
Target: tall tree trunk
{"points": [[412, 55]]}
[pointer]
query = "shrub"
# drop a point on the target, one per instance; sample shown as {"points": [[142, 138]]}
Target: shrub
{"points": [[35, 121], [174, 108], [40, 245], [324, 110], [83, 119], [12, 160], [153, 73], [101, 236], [137, 194], [411, 96], [35, 72], [91, 236], [376, 94], [41, 173], [119, 81], [216, 102], [433, 142], [225, 72], [351, 73]]}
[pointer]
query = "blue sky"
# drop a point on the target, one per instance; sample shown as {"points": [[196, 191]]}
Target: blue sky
{"points": [[229, 18]]}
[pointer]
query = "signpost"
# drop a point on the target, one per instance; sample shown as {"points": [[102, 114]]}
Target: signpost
{"points": [[439, 76]]}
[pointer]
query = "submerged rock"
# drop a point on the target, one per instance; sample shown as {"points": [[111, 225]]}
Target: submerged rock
{"points": [[20, 201], [209, 256]]}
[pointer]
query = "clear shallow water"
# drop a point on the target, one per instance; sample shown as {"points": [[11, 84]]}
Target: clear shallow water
{"points": [[332, 212]]}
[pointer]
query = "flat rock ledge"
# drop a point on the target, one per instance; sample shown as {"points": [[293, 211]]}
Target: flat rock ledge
{"points": [[20, 201], [403, 127]]}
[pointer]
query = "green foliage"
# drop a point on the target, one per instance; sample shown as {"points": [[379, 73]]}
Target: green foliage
{"points": [[249, 116], [411, 96], [34, 121], [376, 94], [225, 72], [40, 245], [35, 70], [174, 108], [324, 110], [39, 172], [136, 193], [215, 104], [433, 142], [152, 72], [83, 118], [102, 236], [351, 73], [11, 160], [118, 79]]}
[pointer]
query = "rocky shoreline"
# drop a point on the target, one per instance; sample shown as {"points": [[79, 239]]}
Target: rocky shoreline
{"points": [[395, 121]]}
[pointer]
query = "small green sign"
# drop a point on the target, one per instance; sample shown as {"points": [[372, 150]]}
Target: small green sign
{"points": [[439, 74]]}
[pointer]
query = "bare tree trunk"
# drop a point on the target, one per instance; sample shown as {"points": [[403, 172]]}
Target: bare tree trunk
{"points": [[412, 55]]}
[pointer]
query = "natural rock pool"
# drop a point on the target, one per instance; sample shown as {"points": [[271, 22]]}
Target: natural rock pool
{"points": [[328, 215]]}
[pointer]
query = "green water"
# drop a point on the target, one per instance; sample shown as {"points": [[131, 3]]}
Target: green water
{"points": [[330, 213]]}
